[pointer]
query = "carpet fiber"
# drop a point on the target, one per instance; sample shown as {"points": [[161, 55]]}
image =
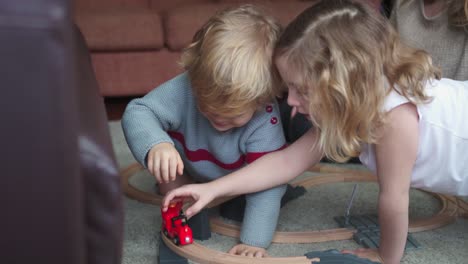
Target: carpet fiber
{"points": [[314, 210]]}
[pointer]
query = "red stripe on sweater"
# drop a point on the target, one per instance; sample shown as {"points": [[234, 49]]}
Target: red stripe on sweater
{"points": [[203, 154]]}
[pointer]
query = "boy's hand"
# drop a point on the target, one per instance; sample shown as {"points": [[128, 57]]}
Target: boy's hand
{"points": [[164, 162], [248, 251], [200, 194], [367, 253]]}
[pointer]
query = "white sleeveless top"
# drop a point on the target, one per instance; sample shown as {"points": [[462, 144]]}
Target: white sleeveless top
{"points": [[442, 161]]}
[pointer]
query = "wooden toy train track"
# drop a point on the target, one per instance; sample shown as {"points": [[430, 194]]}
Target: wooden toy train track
{"points": [[451, 207], [202, 254]]}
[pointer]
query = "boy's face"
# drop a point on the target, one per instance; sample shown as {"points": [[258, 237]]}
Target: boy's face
{"points": [[224, 123], [298, 101]]}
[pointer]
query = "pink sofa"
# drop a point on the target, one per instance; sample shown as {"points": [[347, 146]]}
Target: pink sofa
{"points": [[135, 44]]}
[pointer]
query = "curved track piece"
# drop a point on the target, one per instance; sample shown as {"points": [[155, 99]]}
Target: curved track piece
{"points": [[446, 215], [463, 207], [299, 237], [132, 192], [202, 255]]}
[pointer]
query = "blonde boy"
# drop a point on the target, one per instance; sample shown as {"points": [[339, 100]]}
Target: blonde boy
{"points": [[216, 117]]}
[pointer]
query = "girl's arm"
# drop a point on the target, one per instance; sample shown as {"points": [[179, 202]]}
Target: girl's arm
{"points": [[396, 154], [271, 170]]}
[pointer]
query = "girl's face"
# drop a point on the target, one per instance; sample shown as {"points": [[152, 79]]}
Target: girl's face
{"points": [[224, 123], [296, 99]]}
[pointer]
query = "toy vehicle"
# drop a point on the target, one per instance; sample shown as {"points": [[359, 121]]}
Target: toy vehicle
{"points": [[174, 224]]}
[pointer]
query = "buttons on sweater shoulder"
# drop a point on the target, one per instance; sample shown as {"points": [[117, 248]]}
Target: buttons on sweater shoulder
{"points": [[269, 109]]}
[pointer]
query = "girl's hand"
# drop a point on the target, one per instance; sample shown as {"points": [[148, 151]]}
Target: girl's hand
{"points": [[367, 253], [200, 194], [164, 162], [248, 251]]}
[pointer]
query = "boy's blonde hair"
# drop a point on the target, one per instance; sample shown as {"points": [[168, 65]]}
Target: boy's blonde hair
{"points": [[230, 61], [345, 53]]}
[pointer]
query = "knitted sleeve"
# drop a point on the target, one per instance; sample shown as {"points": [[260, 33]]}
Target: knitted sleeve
{"points": [[146, 120], [263, 208], [261, 216]]}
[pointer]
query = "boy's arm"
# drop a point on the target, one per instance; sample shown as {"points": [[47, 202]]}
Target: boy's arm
{"points": [[146, 120], [261, 216], [263, 134], [396, 154]]}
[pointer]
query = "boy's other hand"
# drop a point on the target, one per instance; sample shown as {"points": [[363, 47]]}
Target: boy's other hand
{"points": [[248, 251], [165, 163], [200, 194]]}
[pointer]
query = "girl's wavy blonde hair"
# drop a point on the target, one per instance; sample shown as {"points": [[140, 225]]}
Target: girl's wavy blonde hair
{"points": [[230, 61], [345, 53]]}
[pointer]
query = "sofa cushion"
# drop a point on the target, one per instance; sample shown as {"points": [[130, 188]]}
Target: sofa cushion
{"points": [[183, 22], [284, 11], [164, 6], [134, 73], [373, 3], [180, 24], [121, 28], [99, 4]]}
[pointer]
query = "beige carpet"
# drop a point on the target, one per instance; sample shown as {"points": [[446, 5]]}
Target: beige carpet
{"points": [[313, 211]]}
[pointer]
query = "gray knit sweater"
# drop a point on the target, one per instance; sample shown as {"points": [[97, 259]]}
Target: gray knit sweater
{"points": [[169, 113], [447, 44]]}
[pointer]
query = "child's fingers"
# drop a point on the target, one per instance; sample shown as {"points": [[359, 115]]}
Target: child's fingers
{"points": [[173, 168], [233, 250], [164, 170], [260, 254], [195, 208], [180, 165], [315, 260], [172, 195], [155, 171]]}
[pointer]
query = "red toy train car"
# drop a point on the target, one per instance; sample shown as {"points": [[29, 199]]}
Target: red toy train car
{"points": [[174, 224]]}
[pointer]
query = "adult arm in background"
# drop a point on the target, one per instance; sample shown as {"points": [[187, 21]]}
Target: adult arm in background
{"points": [[271, 170], [396, 154]]}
